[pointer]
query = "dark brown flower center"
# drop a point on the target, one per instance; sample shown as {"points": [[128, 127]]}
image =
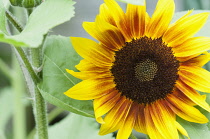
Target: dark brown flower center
{"points": [[145, 70]]}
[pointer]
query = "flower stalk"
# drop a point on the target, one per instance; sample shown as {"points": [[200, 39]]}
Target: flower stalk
{"points": [[40, 111]]}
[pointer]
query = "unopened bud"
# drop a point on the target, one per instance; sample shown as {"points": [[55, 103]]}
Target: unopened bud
{"points": [[26, 3]]}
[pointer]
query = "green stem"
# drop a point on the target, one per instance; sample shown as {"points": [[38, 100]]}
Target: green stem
{"points": [[14, 21], [26, 62], [40, 104], [19, 107], [132, 136], [5, 69], [40, 115], [51, 116], [35, 56], [21, 52]]}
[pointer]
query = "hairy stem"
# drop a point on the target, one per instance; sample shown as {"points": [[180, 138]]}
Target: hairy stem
{"points": [[14, 21], [39, 103], [51, 116], [27, 64], [40, 115]]}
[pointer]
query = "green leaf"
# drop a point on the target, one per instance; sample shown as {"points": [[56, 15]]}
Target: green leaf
{"points": [[134, 2], [6, 106], [46, 16], [58, 56], [76, 127], [204, 30], [195, 130]]}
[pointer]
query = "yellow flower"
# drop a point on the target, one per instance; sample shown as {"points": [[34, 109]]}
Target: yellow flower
{"points": [[143, 72]]}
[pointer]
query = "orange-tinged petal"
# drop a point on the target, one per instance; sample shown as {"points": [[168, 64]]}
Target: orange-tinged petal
{"points": [[105, 103], [106, 33], [92, 51], [180, 94], [199, 61], [91, 89], [135, 15], [126, 129], [119, 17], [192, 46], [196, 77], [88, 75], [183, 59], [181, 130], [140, 125], [184, 29], [164, 119], [185, 111], [161, 18], [150, 126], [106, 15], [115, 118], [85, 65], [193, 95]]}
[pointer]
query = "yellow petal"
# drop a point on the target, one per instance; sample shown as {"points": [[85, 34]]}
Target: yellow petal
{"points": [[181, 130], [184, 29], [119, 17], [92, 51], [106, 33], [115, 118], [88, 75], [193, 95], [185, 111], [126, 129], [106, 15], [196, 77], [85, 65], [180, 94], [115, 9], [183, 59], [164, 119], [192, 46], [91, 89], [140, 125], [105, 103], [150, 126], [135, 15], [161, 18], [199, 61]]}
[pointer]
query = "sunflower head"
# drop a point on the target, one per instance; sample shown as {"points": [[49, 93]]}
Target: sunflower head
{"points": [[143, 72]]}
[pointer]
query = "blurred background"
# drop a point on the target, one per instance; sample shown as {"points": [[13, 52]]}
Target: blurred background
{"points": [[84, 11]]}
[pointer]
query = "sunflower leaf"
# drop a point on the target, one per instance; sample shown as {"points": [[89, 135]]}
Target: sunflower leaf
{"points": [[39, 23], [204, 30], [76, 127], [59, 55], [195, 130], [134, 2]]}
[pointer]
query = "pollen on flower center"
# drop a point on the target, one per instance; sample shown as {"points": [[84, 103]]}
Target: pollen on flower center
{"points": [[145, 70]]}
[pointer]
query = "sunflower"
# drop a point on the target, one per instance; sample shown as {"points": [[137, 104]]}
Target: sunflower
{"points": [[144, 72]]}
